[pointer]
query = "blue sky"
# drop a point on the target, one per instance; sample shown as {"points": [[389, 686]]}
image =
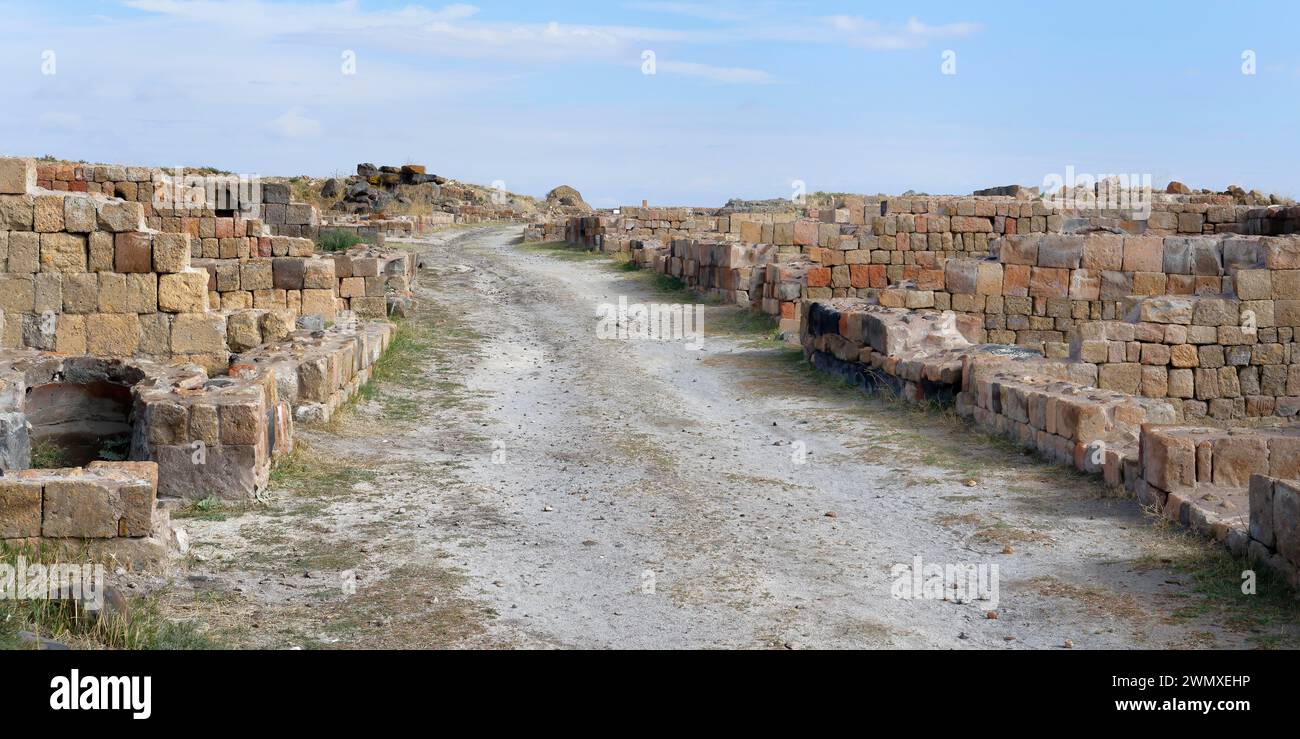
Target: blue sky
{"points": [[746, 96]]}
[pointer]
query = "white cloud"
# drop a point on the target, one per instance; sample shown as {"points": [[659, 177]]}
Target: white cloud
{"points": [[729, 75], [872, 34], [710, 12], [293, 124]]}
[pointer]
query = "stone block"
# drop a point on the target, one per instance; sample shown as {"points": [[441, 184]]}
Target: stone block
{"points": [[1184, 356], [112, 293], [171, 252], [1143, 254], [141, 292], [70, 334], [102, 252], [1116, 285], [287, 273], [1236, 458], [63, 252], [1102, 252], [133, 252], [1181, 384], [112, 334], [276, 325], [16, 212], [319, 303], [198, 333], [17, 176], [20, 500], [1021, 250], [319, 274], [1125, 377], [243, 330], [1215, 312], [155, 334], [47, 214], [183, 292], [1284, 456], [243, 423], [1060, 251], [257, 274], [80, 508], [119, 216], [1168, 460], [1286, 520]]}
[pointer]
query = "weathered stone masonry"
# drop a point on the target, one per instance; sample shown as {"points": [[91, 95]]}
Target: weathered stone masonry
{"points": [[184, 341], [1090, 336]]}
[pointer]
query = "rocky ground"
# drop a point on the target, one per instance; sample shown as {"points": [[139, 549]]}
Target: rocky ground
{"points": [[510, 480]]}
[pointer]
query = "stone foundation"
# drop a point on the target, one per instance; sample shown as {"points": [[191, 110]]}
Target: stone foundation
{"points": [[120, 318]]}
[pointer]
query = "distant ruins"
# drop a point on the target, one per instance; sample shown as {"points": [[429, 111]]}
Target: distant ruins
{"points": [[407, 200]]}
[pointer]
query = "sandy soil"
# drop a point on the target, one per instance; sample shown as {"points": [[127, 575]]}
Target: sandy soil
{"points": [[517, 482]]}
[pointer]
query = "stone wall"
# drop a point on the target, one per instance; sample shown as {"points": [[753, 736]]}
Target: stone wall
{"points": [[210, 207], [1157, 314], [1209, 479], [107, 297], [1275, 522], [1090, 337], [375, 282], [105, 500]]}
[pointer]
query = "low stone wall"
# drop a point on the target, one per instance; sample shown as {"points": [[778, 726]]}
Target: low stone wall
{"points": [[105, 500], [1275, 523], [1199, 477], [731, 272], [1272, 221], [208, 436], [301, 284], [318, 371], [1224, 483], [375, 282]]}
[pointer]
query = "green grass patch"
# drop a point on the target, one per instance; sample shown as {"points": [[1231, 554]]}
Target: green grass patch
{"points": [[142, 627], [210, 508], [307, 471], [337, 240], [1269, 616], [47, 455]]}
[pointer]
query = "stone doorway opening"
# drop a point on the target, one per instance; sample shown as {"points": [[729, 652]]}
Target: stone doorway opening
{"points": [[82, 414]]}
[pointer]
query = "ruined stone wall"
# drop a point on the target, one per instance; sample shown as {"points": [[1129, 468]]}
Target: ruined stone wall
{"points": [[1274, 535], [1221, 345], [214, 209], [1236, 486], [83, 274]]}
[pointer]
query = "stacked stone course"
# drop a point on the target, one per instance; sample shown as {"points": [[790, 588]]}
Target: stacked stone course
{"points": [[1088, 336], [101, 287]]}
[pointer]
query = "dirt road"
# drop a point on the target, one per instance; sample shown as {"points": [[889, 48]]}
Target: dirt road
{"points": [[511, 480]]}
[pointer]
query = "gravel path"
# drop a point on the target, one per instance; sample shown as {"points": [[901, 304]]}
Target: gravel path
{"points": [[540, 487]]}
